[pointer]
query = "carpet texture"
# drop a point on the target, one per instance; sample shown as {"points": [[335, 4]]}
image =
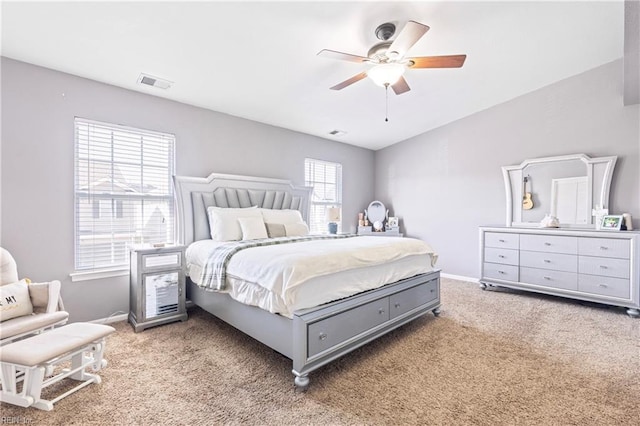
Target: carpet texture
{"points": [[492, 357]]}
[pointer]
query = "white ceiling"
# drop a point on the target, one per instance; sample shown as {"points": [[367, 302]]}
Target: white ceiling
{"points": [[258, 60]]}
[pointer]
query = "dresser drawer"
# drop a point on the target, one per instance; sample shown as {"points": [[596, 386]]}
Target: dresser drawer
{"points": [[504, 256], [554, 261], [555, 279], [501, 240], [604, 266], [328, 332], [549, 243], [409, 299], [605, 286], [604, 247], [500, 272]]}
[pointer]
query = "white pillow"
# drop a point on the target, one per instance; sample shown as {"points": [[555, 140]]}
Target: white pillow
{"points": [[223, 222], [299, 229], [281, 216], [252, 228], [15, 301]]}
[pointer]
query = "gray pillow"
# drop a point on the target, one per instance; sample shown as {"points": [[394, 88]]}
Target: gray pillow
{"points": [[275, 230]]}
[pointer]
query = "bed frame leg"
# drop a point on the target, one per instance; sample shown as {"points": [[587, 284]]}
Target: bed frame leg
{"points": [[436, 311], [301, 382]]}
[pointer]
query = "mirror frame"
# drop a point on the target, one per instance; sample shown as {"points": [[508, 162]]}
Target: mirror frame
{"points": [[599, 173]]}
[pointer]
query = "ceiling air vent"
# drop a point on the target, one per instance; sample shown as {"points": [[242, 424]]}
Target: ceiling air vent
{"points": [[337, 133], [148, 80]]}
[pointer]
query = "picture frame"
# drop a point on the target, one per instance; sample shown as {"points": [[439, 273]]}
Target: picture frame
{"points": [[392, 222], [611, 222]]}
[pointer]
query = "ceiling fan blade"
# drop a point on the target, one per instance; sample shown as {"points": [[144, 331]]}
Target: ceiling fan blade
{"points": [[341, 56], [448, 61], [350, 81], [409, 35], [400, 86]]}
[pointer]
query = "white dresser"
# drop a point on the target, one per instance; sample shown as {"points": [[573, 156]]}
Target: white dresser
{"points": [[597, 266]]}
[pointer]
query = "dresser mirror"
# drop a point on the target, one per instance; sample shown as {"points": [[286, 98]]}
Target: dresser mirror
{"points": [[567, 187]]}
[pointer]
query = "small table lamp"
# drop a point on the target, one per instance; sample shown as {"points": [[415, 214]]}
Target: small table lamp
{"points": [[333, 217]]}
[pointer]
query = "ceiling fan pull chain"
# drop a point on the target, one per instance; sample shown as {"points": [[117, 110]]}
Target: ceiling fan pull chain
{"points": [[386, 102]]}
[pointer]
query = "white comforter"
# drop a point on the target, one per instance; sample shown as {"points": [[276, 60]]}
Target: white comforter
{"points": [[282, 269]]}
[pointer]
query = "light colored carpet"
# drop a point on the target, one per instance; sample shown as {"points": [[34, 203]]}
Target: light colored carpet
{"points": [[492, 357]]}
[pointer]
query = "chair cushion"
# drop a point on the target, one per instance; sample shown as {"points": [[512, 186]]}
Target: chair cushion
{"points": [[14, 301], [39, 293], [28, 323], [46, 346]]}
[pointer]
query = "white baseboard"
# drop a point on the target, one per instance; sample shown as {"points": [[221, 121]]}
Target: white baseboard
{"points": [[460, 278], [111, 319]]}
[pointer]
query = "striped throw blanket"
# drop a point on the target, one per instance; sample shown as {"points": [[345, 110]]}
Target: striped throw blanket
{"points": [[214, 272]]}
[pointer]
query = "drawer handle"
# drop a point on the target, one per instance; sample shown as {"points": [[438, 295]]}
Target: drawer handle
{"points": [[547, 244], [501, 256], [433, 290], [322, 336], [604, 248], [502, 272], [397, 305], [547, 278], [603, 266], [381, 311], [502, 241], [547, 261], [603, 285]]}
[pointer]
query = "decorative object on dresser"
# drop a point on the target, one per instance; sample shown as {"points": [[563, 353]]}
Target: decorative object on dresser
{"points": [[378, 214], [157, 286], [568, 187], [611, 222], [589, 265]]}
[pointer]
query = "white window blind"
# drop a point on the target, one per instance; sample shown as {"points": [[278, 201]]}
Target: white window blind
{"points": [[123, 192], [326, 179]]}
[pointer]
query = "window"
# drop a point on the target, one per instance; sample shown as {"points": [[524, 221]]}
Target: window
{"points": [[123, 192], [326, 179]]}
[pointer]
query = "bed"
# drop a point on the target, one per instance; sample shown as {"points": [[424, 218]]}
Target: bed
{"points": [[312, 320]]}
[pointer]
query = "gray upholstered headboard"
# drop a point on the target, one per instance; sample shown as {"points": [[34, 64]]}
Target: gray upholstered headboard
{"points": [[194, 195]]}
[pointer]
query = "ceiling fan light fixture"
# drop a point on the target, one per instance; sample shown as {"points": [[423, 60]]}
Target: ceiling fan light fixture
{"points": [[386, 74]]}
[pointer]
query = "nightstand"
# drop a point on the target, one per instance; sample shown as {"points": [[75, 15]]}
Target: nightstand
{"points": [[157, 286]]}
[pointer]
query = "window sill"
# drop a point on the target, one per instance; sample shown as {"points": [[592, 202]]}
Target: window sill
{"points": [[96, 275]]}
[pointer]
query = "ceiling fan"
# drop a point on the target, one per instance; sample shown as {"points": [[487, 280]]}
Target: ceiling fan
{"points": [[388, 58]]}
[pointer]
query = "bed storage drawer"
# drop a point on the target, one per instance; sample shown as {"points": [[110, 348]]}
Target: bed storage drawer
{"points": [[409, 299], [328, 332]]}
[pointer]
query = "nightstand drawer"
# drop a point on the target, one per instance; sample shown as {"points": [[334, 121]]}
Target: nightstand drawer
{"points": [[501, 240], [549, 244], [500, 272], [605, 286], [503, 256], [555, 279], [604, 247], [164, 260], [553, 261]]}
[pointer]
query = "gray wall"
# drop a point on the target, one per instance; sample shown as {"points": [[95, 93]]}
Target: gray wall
{"points": [[446, 183], [37, 167]]}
